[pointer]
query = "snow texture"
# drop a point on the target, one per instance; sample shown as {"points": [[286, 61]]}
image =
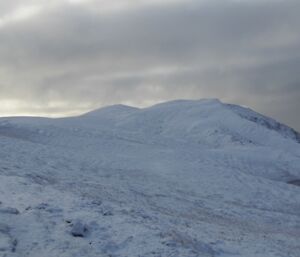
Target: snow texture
{"points": [[178, 179]]}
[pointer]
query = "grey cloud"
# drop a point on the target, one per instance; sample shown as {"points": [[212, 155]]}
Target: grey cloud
{"points": [[247, 52]]}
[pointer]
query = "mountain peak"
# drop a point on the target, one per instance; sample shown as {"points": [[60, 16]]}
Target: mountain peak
{"points": [[111, 110]]}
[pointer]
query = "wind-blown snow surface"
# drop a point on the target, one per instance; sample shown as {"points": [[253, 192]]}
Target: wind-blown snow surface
{"points": [[182, 178]]}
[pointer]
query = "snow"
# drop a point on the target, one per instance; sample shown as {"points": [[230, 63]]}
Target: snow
{"points": [[182, 178]]}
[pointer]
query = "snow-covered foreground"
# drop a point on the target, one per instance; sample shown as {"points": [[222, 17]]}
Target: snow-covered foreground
{"points": [[183, 178]]}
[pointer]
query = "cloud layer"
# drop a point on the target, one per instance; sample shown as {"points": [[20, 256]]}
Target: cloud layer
{"points": [[66, 57]]}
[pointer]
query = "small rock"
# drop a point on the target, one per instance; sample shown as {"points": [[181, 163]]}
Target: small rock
{"points": [[9, 210], [96, 202], [42, 206], [5, 240], [4, 228], [14, 245], [107, 213], [79, 229], [295, 182]]}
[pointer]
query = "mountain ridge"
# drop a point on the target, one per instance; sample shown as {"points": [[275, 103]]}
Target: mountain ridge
{"points": [[246, 113]]}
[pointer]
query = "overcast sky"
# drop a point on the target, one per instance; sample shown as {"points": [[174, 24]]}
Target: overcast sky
{"points": [[63, 57]]}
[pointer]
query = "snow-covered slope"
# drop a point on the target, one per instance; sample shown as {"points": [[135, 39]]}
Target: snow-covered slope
{"points": [[182, 178]]}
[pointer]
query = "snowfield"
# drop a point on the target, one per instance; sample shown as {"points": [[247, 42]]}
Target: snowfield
{"points": [[178, 179]]}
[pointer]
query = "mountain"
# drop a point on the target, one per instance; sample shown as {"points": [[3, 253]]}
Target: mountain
{"points": [[182, 178]]}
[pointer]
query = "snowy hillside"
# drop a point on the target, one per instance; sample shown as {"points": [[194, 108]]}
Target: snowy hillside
{"points": [[178, 179]]}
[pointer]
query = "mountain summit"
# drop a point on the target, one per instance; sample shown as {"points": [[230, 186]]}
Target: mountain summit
{"points": [[182, 178]]}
